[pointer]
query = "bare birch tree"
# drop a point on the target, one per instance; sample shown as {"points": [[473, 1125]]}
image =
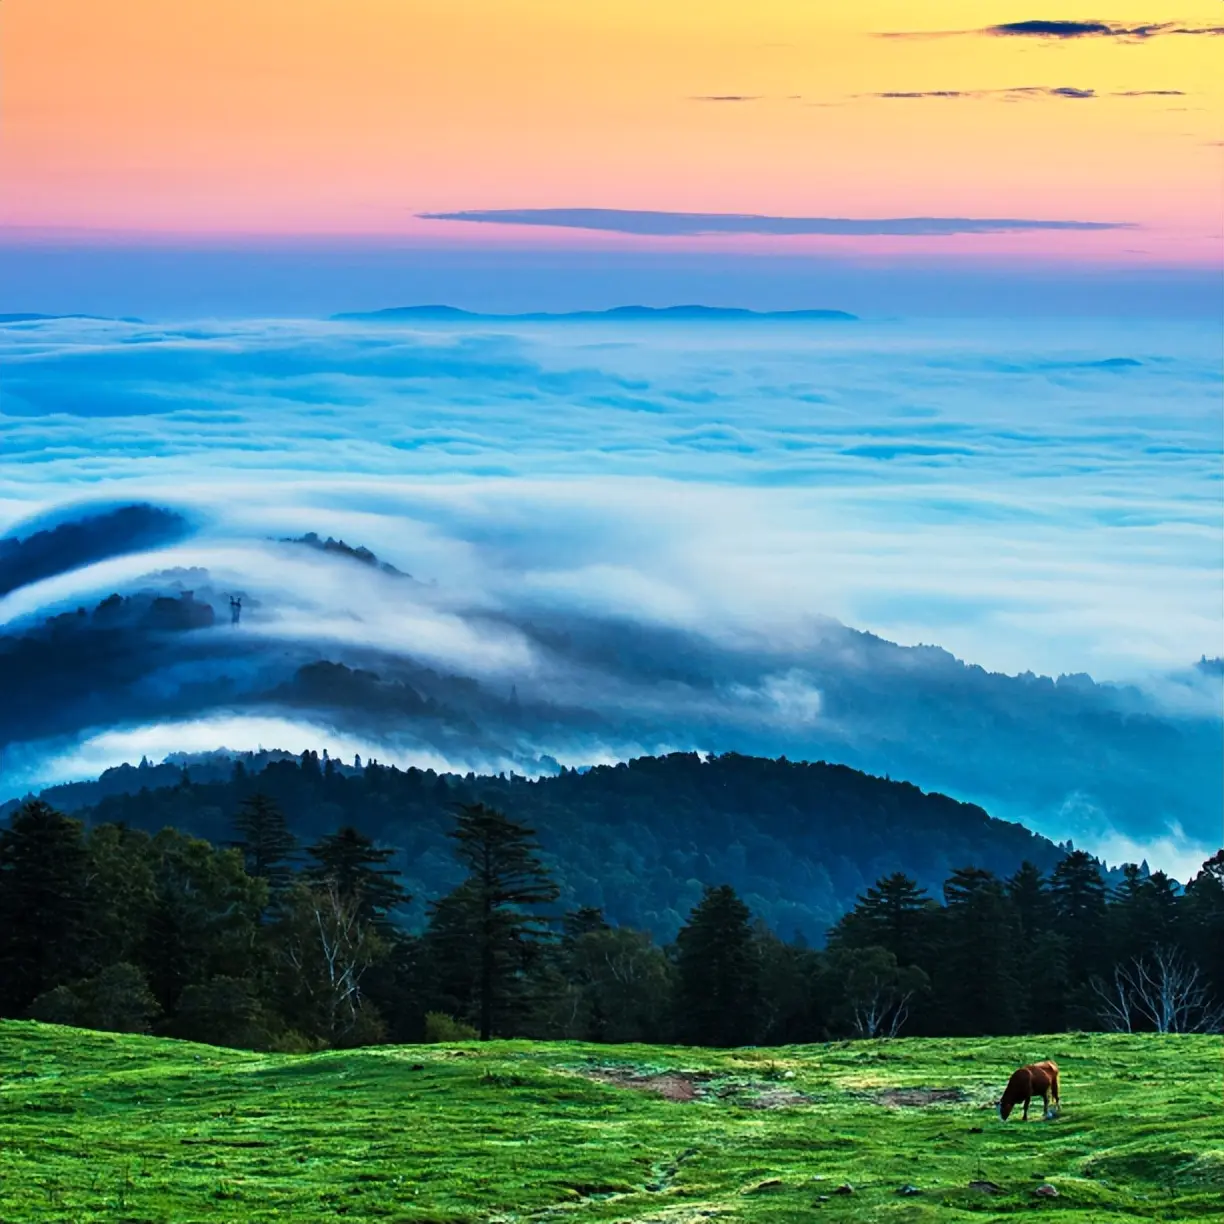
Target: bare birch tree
{"points": [[1162, 991], [328, 947]]}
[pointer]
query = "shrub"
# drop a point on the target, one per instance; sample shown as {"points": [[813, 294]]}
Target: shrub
{"points": [[439, 1027], [117, 1000], [224, 1011], [58, 1006]]}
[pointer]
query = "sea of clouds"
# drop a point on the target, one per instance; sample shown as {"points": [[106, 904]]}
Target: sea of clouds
{"points": [[642, 537]]}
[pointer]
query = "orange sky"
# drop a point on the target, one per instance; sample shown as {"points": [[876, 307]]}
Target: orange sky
{"points": [[295, 117]]}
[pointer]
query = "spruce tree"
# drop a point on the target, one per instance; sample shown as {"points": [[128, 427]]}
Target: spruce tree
{"points": [[894, 914], [717, 972], [1030, 897], [1040, 953], [359, 869], [1078, 893], [266, 843], [44, 904], [489, 930], [1202, 921], [976, 978]]}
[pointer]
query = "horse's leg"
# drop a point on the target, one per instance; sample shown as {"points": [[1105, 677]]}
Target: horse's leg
{"points": [[1027, 1099]]}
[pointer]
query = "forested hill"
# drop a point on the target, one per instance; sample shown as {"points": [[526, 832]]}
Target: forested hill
{"points": [[797, 841]]}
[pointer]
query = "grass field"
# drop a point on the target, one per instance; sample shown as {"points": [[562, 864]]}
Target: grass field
{"points": [[101, 1127]]}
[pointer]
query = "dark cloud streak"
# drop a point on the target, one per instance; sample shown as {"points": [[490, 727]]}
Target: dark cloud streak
{"points": [[1015, 91], [1067, 30]]}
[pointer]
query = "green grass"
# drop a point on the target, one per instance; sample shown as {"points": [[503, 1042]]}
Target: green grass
{"points": [[95, 1127]]}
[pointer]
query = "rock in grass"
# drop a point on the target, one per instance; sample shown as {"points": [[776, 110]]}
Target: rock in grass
{"points": [[907, 1190], [986, 1187], [844, 1188], [1046, 1191]]}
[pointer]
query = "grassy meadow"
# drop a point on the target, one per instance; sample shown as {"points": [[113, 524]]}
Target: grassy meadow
{"points": [[96, 1126]]}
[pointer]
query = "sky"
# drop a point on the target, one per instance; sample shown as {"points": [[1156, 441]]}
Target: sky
{"points": [[481, 127]]}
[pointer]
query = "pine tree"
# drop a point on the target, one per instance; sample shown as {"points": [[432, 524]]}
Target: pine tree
{"points": [[489, 929], [44, 904], [976, 978], [717, 972], [894, 914], [1078, 893], [1040, 954], [359, 869], [1202, 921], [1030, 898], [266, 843]]}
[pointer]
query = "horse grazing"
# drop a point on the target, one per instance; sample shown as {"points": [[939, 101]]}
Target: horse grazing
{"points": [[1037, 1079]]}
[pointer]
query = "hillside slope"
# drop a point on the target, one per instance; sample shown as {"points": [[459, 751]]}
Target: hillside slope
{"points": [[798, 841], [105, 1127]]}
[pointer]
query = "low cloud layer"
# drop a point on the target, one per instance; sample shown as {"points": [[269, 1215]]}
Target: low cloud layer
{"points": [[678, 224], [622, 540]]}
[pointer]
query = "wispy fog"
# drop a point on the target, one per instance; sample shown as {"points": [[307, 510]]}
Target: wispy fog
{"points": [[628, 538]]}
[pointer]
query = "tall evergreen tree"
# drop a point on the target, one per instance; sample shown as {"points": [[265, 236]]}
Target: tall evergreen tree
{"points": [[717, 972], [1030, 897], [266, 842], [1202, 922], [44, 904], [490, 927], [976, 979], [894, 914], [1040, 954], [359, 869], [1078, 893]]}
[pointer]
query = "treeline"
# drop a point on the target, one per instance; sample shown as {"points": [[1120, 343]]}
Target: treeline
{"points": [[264, 944], [798, 841]]}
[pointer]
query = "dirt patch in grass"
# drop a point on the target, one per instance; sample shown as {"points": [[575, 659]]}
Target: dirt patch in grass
{"points": [[918, 1098], [699, 1086], [673, 1085]]}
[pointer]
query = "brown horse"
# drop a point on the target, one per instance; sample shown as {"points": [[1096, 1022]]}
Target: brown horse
{"points": [[1037, 1079]]}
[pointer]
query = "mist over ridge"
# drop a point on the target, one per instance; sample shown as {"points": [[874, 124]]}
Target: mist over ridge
{"points": [[619, 548]]}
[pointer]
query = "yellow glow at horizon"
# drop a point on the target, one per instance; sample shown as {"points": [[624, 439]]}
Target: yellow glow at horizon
{"points": [[349, 116]]}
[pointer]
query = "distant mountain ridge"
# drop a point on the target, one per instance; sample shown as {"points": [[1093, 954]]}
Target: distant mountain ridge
{"points": [[26, 316], [617, 314]]}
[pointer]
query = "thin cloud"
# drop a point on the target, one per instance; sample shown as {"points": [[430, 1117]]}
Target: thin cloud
{"points": [[929, 93], [726, 98], [1067, 30], [1029, 91], [655, 223], [1023, 91]]}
